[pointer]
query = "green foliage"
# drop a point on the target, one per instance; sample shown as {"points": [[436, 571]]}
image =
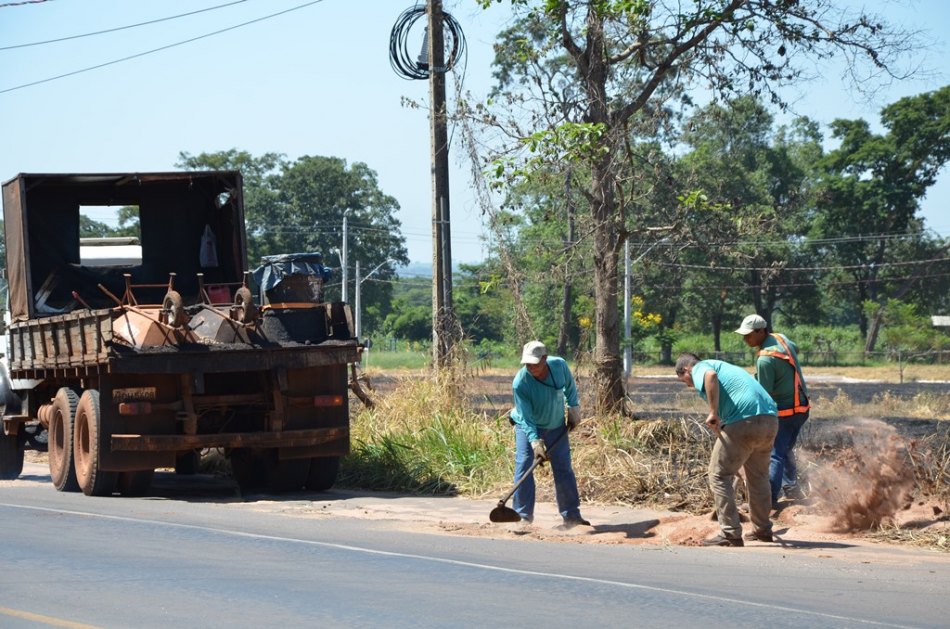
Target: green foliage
{"points": [[408, 321], [905, 331], [873, 184], [298, 206], [89, 228]]}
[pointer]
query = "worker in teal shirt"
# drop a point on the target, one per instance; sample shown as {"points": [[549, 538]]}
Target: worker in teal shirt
{"points": [[744, 419], [541, 388]]}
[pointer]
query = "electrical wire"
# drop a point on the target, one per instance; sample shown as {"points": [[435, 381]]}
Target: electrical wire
{"points": [[21, 3], [881, 265], [120, 28], [401, 59], [159, 49]]}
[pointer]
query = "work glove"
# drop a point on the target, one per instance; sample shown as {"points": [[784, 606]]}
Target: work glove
{"points": [[540, 452], [573, 417]]}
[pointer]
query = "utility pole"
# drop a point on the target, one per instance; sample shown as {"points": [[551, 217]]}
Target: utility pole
{"points": [[627, 350], [443, 317], [343, 258], [358, 322], [357, 285]]}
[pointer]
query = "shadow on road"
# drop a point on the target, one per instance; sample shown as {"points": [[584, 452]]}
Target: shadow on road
{"points": [[635, 530]]}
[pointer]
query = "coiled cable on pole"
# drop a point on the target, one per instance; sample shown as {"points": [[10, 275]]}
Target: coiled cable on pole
{"points": [[401, 59]]}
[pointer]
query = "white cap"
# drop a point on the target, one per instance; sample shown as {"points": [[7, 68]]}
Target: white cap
{"points": [[533, 352], [752, 323]]}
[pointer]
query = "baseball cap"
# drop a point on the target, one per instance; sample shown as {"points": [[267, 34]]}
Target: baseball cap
{"points": [[533, 352], [751, 323]]}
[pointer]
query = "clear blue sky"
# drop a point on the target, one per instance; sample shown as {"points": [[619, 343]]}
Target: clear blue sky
{"points": [[313, 81]]}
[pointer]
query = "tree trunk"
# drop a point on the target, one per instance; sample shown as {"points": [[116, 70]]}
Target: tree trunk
{"points": [[873, 330], [717, 330], [564, 330], [608, 364], [666, 342], [755, 285]]}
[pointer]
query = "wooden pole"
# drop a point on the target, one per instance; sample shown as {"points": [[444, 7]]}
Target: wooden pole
{"points": [[442, 309]]}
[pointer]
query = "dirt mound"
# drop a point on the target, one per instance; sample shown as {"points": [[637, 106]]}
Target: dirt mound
{"points": [[869, 481]]}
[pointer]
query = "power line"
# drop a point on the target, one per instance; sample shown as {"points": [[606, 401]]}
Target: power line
{"points": [[880, 265], [119, 28], [21, 3], [400, 57], [161, 48]]}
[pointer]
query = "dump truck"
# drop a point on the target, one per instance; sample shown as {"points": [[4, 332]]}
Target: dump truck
{"points": [[123, 364]]}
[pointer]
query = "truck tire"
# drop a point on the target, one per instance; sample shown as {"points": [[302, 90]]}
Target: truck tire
{"points": [[86, 448], [246, 469], [246, 310], [260, 469], [62, 421], [187, 463], [174, 309], [11, 456], [285, 475], [323, 472], [135, 483]]}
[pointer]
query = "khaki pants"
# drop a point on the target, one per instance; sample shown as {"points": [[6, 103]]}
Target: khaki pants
{"points": [[746, 444]]}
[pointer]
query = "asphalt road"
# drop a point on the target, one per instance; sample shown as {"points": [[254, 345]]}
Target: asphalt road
{"points": [[195, 554]]}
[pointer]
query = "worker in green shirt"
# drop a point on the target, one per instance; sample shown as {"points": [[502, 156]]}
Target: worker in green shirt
{"points": [[778, 371]]}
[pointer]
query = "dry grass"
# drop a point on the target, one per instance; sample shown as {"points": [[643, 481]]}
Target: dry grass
{"points": [[933, 539], [887, 373], [425, 437], [422, 436]]}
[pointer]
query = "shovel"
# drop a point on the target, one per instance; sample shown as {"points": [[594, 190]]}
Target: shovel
{"points": [[501, 513]]}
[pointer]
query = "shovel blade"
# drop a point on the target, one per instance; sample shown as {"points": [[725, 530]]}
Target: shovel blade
{"points": [[501, 513]]}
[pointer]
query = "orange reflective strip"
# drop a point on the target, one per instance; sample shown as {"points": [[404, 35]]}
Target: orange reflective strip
{"points": [[788, 412], [798, 406]]}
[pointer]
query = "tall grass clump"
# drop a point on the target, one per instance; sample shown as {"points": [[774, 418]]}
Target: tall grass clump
{"points": [[423, 438]]}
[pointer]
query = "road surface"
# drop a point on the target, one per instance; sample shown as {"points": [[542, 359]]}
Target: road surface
{"points": [[196, 554]]}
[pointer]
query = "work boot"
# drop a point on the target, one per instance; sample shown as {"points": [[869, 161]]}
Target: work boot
{"points": [[793, 492], [759, 536], [570, 523], [722, 540]]}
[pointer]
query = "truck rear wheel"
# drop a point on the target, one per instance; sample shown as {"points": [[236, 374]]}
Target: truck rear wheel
{"points": [[287, 474], [135, 483], [261, 469], [11, 456], [187, 463], [323, 472], [62, 420], [86, 451]]}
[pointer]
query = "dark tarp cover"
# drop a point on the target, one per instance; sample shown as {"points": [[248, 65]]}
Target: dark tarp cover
{"points": [[275, 268]]}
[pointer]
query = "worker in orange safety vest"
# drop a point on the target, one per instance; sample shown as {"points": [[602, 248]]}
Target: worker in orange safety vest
{"points": [[778, 371]]}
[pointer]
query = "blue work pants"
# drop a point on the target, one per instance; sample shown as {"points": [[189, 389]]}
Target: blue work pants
{"points": [[782, 468], [559, 458]]}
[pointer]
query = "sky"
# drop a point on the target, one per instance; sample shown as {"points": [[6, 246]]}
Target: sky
{"points": [[314, 79]]}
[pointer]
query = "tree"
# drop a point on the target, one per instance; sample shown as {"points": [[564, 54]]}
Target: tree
{"points": [[761, 176], [261, 177], [871, 190], [623, 61], [298, 206]]}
